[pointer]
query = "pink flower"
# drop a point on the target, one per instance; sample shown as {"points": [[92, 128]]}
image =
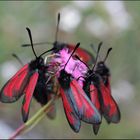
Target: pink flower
{"points": [[74, 66]]}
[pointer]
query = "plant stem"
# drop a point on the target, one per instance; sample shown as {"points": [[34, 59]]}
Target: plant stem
{"points": [[34, 120]]}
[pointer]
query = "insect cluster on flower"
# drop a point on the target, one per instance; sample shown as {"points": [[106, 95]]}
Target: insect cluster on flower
{"points": [[85, 91]]}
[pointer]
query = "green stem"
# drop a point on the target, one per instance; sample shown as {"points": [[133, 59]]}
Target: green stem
{"points": [[34, 120]]}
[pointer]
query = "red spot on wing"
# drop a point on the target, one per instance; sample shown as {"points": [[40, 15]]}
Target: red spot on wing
{"points": [[72, 117], [94, 96], [109, 108], [108, 85], [95, 100], [28, 95], [13, 89], [87, 110]]}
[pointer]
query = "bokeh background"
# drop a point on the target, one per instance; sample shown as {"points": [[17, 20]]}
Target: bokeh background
{"points": [[116, 23]]}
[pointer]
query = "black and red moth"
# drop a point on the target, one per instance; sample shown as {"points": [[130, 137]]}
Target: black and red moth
{"points": [[25, 81], [82, 53], [76, 104], [44, 89], [110, 108], [87, 102], [97, 87]]}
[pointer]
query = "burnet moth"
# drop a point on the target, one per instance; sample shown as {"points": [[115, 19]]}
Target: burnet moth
{"points": [[91, 86], [110, 108], [76, 104], [44, 89], [24, 82], [100, 94], [85, 55]]}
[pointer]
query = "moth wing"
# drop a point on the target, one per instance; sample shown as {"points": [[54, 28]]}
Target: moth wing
{"points": [[95, 100], [96, 128], [71, 115], [110, 108], [14, 88], [28, 95], [94, 96], [86, 109]]}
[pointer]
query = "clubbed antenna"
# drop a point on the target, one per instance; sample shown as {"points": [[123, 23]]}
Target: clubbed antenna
{"points": [[57, 27], [46, 42], [99, 47], [92, 46], [107, 54], [19, 60], [30, 36], [82, 61], [76, 47]]}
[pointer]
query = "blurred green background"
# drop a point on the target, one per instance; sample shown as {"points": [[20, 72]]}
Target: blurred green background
{"points": [[116, 23]]}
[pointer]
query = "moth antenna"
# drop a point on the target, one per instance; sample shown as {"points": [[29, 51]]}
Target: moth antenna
{"points": [[80, 77], [35, 44], [30, 36], [82, 61], [77, 45], [93, 48], [52, 49], [19, 60], [104, 58], [42, 43], [57, 27], [107, 54], [99, 47]]}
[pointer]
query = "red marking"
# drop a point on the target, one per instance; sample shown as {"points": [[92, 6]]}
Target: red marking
{"points": [[110, 107], [95, 100], [94, 96], [108, 85], [13, 89], [28, 95], [87, 110], [70, 112]]}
